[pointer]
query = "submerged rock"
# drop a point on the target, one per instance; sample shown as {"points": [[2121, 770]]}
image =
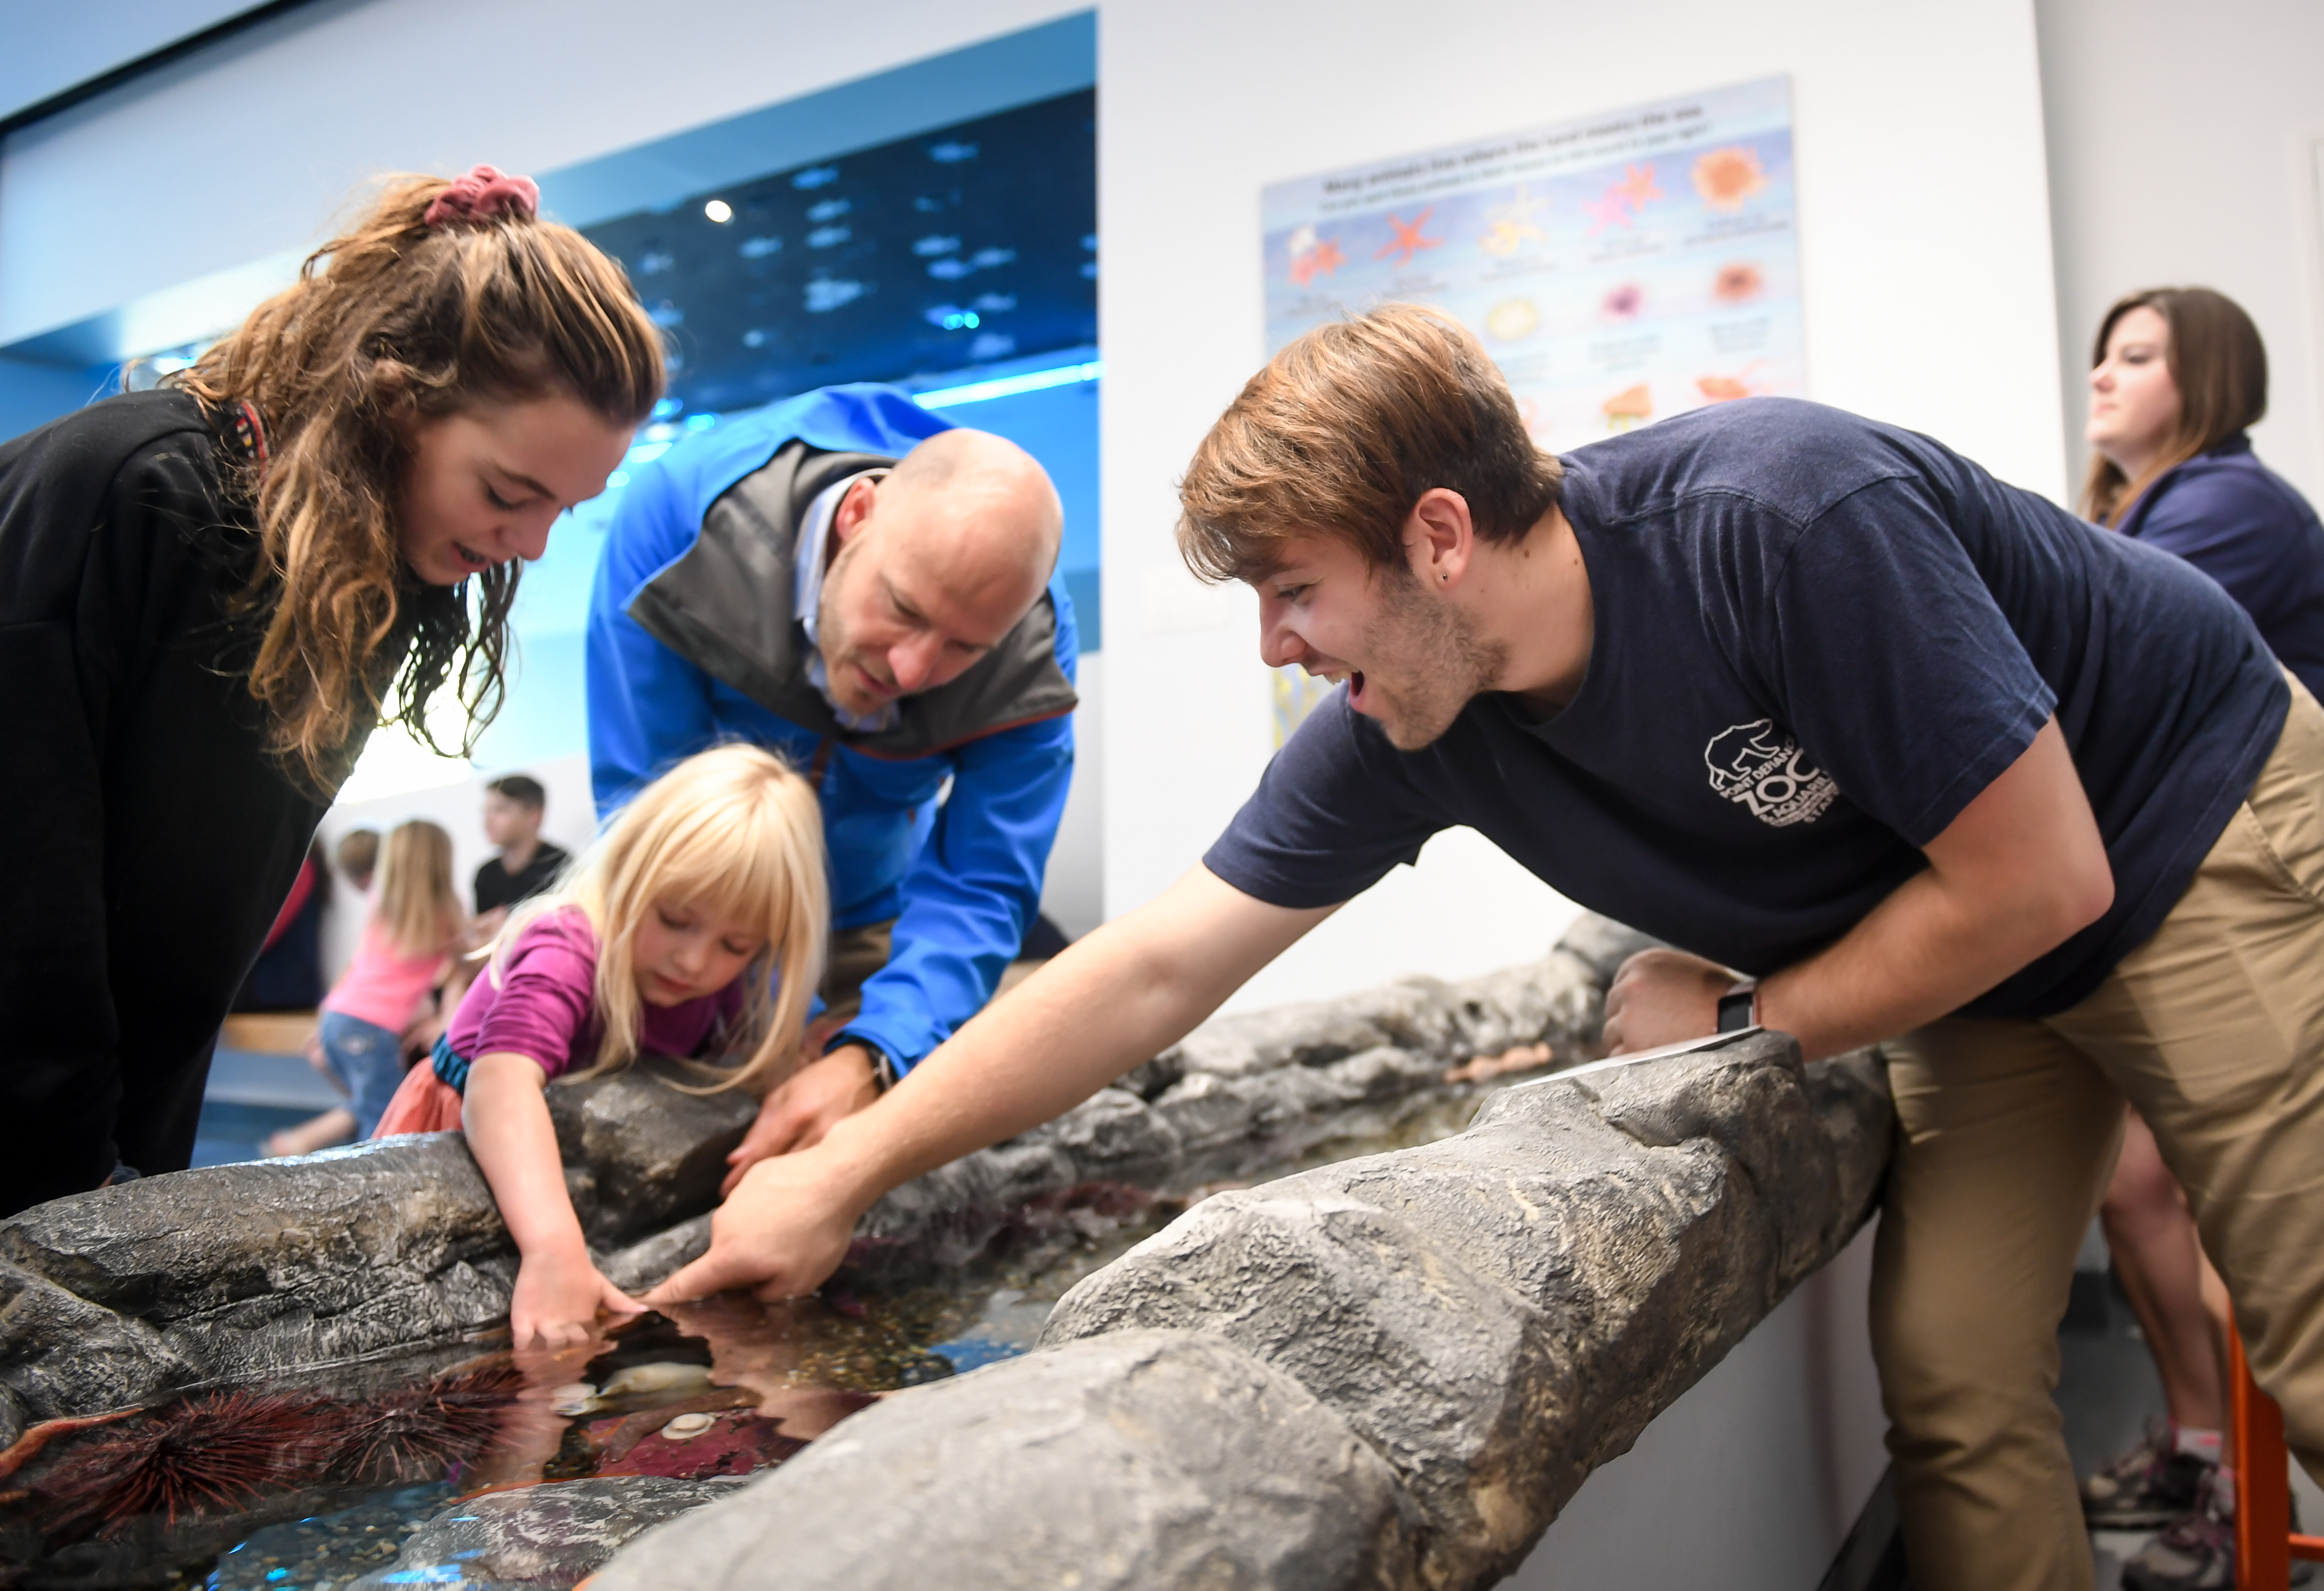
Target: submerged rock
{"points": [[550, 1535]]}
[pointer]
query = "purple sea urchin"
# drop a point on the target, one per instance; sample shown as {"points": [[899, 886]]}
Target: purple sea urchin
{"points": [[421, 1433], [214, 1453]]}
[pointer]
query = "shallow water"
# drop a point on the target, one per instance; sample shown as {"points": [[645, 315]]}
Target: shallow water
{"points": [[299, 1486], [317, 1484]]}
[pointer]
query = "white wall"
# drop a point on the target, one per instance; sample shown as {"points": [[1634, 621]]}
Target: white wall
{"points": [[2185, 148], [1918, 134]]}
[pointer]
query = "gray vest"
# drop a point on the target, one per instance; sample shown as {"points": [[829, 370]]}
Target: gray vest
{"points": [[726, 607]]}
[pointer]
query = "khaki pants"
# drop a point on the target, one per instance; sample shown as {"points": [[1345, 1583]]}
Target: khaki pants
{"points": [[2214, 1029]]}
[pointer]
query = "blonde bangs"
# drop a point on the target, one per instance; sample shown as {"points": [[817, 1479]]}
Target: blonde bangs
{"points": [[738, 832]]}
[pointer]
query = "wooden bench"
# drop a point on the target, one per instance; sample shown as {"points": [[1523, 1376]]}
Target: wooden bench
{"points": [[269, 1032]]}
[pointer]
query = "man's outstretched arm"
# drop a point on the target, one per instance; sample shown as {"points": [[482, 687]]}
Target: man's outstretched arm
{"points": [[1108, 1003]]}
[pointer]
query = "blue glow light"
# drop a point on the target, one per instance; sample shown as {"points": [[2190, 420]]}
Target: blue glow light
{"points": [[666, 407], [1005, 386]]}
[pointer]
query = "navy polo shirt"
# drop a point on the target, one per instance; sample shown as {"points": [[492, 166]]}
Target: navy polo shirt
{"points": [[1816, 640], [2250, 530]]}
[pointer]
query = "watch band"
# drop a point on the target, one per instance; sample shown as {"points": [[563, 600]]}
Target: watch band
{"points": [[1738, 1008], [885, 1073]]}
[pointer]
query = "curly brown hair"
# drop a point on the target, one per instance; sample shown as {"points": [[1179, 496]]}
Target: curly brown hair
{"points": [[391, 324], [1344, 430]]}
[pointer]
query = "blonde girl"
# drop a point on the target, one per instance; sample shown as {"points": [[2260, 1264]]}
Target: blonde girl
{"points": [[207, 593], [415, 923], [694, 926]]}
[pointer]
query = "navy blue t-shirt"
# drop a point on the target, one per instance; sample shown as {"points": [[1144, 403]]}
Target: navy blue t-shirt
{"points": [[1816, 640]]}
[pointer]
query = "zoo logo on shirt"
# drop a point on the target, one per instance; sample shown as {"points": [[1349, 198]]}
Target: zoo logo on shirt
{"points": [[1758, 766]]}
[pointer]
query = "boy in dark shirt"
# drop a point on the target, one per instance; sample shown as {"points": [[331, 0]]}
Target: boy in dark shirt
{"points": [[514, 805], [1911, 751]]}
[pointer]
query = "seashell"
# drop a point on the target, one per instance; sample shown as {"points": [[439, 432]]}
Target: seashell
{"points": [[661, 1377], [686, 1426], [577, 1397]]}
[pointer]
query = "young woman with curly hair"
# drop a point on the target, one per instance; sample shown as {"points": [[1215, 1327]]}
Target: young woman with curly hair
{"points": [[208, 594]]}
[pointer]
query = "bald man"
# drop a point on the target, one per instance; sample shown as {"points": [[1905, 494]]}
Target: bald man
{"points": [[852, 581]]}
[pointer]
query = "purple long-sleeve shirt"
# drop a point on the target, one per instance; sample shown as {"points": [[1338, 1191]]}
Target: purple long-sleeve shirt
{"points": [[542, 1003]]}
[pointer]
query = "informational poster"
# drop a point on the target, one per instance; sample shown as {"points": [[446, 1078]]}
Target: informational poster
{"points": [[1620, 269]]}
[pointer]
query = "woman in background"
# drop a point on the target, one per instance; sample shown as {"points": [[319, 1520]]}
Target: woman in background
{"points": [[2178, 377], [207, 593]]}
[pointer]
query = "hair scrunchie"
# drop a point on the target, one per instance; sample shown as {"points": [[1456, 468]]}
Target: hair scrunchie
{"points": [[484, 195]]}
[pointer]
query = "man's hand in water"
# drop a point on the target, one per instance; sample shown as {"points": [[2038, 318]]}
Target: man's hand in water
{"points": [[797, 1115], [780, 1232]]}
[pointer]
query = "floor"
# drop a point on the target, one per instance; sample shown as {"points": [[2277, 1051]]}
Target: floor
{"points": [[252, 1094]]}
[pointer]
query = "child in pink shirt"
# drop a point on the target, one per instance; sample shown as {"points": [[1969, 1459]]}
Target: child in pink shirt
{"points": [[415, 925], [694, 926]]}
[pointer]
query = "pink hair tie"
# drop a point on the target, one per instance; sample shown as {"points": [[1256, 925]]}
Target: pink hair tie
{"points": [[484, 195]]}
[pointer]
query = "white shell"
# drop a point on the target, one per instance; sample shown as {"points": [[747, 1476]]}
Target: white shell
{"points": [[686, 1426], [577, 1397], [655, 1378]]}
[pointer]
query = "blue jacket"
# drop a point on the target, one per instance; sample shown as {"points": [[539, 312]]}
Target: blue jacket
{"points": [[2247, 528], [961, 875]]}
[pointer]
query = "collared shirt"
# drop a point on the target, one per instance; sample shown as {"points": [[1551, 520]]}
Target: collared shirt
{"points": [[806, 598], [2250, 530]]}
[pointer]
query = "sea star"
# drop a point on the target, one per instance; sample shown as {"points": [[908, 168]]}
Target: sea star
{"points": [[1322, 260], [1408, 241], [1637, 184]]}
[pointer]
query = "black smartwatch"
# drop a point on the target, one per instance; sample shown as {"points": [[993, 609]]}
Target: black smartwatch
{"points": [[1738, 1008]]}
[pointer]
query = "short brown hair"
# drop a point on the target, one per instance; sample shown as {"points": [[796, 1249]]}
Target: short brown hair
{"points": [[1345, 429], [358, 853], [522, 788], [2219, 366]]}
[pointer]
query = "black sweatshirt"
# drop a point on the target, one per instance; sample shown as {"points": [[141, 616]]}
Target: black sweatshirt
{"points": [[147, 835]]}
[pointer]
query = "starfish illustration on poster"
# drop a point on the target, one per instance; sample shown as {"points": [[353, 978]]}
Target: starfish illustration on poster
{"points": [[1619, 269]]}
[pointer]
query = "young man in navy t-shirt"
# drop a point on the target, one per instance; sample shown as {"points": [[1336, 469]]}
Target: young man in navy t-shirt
{"points": [[1912, 751]]}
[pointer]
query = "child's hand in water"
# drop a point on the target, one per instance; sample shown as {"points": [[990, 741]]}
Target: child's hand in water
{"points": [[556, 1301]]}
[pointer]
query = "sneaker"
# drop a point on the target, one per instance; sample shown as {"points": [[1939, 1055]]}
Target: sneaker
{"points": [[2197, 1553], [2146, 1488]]}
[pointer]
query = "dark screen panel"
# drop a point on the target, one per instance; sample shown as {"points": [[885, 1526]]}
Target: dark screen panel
{"points": [[969, 244]]}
